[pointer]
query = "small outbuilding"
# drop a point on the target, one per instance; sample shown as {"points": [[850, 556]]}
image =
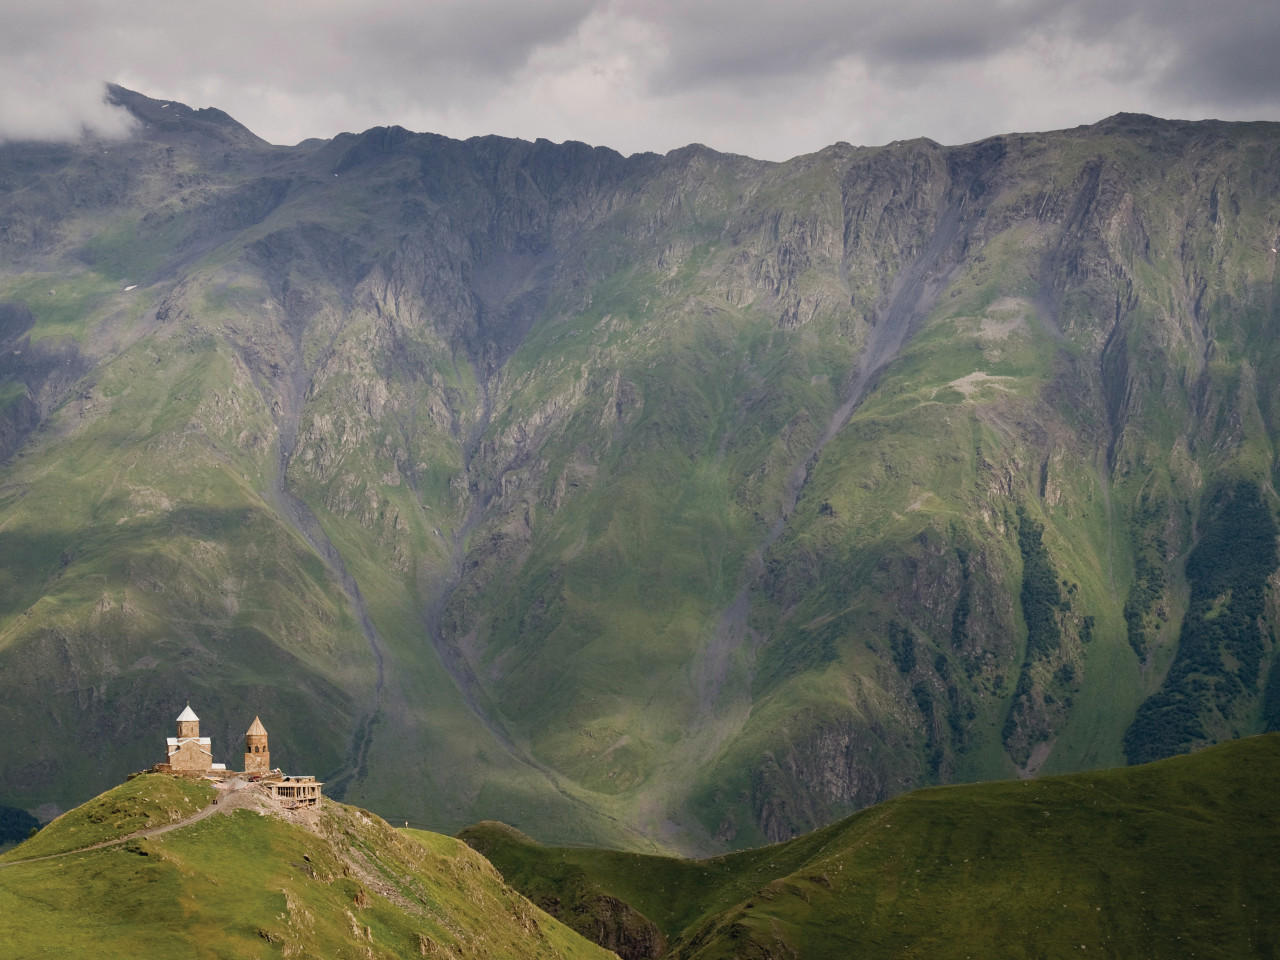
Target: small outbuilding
{"points": [[295, 791]]}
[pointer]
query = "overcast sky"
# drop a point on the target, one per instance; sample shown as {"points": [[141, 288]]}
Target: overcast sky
{"points": [[765, 79]]}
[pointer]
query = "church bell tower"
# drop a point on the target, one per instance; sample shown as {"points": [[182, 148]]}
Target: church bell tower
{"points": [[188, 725], [256, 758]]}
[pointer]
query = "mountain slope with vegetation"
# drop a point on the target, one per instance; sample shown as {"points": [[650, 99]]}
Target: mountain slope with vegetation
{"points": [[1175, 858], [673, 502]]}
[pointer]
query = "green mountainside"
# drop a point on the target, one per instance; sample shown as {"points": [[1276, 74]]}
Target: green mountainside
{"points": [[249, 884], [676, 503], [1177, 858]]}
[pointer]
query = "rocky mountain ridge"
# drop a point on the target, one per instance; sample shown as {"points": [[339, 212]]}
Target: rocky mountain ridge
{"points": [[679, 501]]}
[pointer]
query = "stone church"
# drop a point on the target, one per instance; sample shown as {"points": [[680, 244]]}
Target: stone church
{"points": [[189, 752]]}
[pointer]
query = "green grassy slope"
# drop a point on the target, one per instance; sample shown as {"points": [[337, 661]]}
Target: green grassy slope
{"points": [[141, 803], [142, 551], [249, 885], [1175, 858]]}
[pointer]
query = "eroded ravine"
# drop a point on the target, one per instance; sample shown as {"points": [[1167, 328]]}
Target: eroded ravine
{"points": [[724, 705], [449, 654], [293, 386]]}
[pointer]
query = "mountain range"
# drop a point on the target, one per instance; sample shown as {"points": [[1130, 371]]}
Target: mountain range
{"points": [[676, 503]]}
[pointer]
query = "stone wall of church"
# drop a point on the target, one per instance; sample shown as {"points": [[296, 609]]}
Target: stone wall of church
{"points": [[190, 757]]}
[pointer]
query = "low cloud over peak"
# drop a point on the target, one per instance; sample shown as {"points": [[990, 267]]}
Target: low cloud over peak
{"points": [[34, 110]]}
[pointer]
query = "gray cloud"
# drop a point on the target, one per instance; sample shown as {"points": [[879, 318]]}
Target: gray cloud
{"points": [[1227, 52], [753, 77], [722, 41]]}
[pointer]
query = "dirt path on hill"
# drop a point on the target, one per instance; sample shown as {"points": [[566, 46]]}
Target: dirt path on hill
{"points": [[149, 832], [231, 797]]}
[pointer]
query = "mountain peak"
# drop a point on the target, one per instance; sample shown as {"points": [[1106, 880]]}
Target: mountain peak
{"points": [[170, 117]]}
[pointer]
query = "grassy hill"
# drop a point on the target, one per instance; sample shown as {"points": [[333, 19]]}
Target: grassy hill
{"points": [[1177, 858], [248, 884]]}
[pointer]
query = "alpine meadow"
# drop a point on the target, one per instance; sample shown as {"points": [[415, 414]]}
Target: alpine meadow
{"points": [[677, 503]]}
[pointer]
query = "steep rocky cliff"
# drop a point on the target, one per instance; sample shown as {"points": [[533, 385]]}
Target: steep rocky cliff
{"points": [[685, 500]]}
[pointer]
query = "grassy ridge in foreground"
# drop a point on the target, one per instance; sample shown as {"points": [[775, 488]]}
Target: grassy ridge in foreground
{"points": [[1176, 858], [248, 885], [141, 803]]}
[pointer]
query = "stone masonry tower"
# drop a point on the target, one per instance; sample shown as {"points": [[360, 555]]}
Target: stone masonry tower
{"points": [[256, 758]]}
